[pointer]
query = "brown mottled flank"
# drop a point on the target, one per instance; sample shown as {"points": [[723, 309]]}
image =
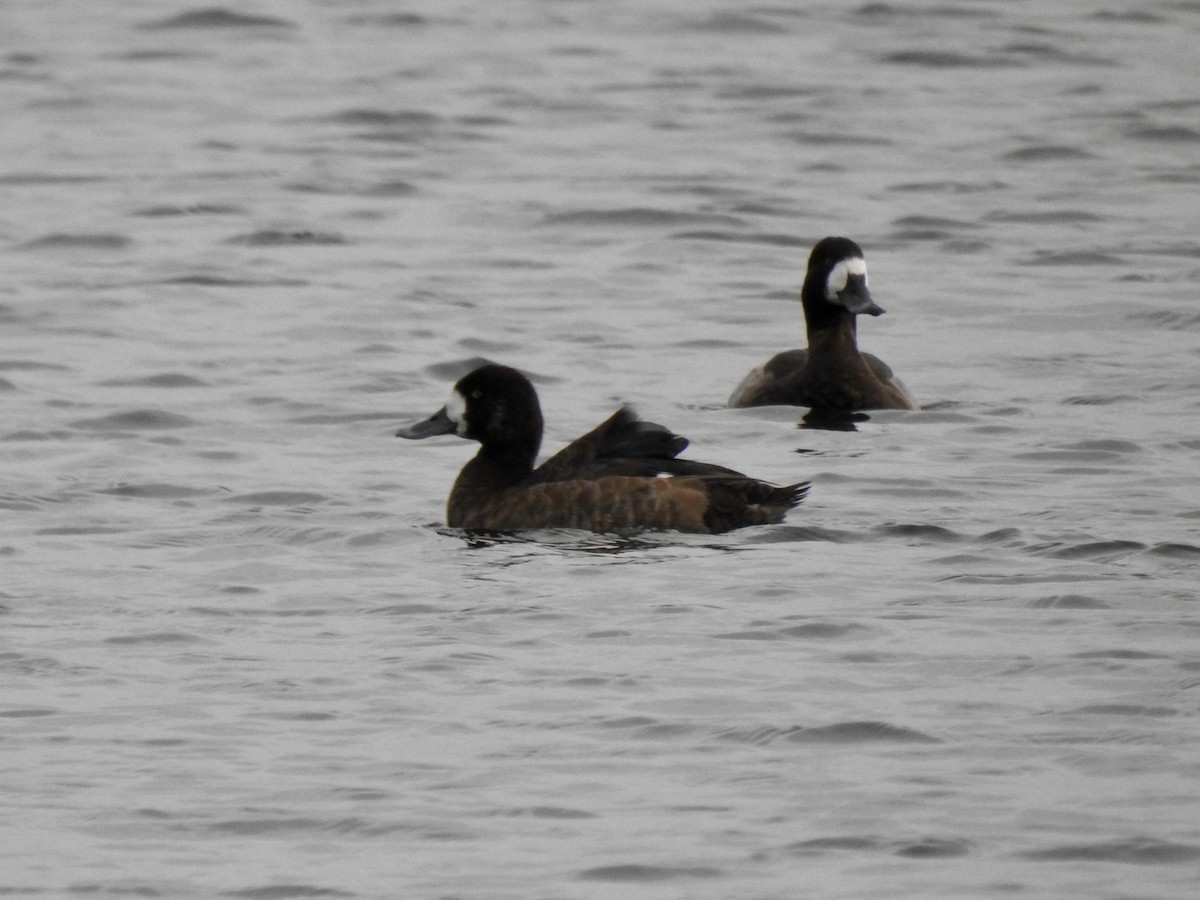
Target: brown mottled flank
{"points": [[607, 504], [832, 374], [620, 502], [623, 475]]}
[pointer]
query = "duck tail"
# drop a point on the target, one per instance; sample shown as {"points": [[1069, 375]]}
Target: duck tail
{"points": [[736, 504]]}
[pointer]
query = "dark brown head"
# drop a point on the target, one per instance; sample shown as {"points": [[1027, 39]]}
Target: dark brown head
{"points": [[495, 405], [836, 283]]}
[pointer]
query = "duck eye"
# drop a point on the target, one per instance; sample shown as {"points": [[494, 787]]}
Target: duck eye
{"points": [[476, 394]]}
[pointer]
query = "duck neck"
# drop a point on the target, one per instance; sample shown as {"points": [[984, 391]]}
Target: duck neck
{"points": [[831, 328], [490, 472], [509, 443], [506, 465], [501, 463]]}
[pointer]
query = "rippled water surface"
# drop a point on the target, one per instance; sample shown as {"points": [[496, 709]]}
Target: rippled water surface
{"points": [[243, 657]]}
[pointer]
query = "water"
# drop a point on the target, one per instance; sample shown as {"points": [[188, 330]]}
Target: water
{"points": [[243, 658]]}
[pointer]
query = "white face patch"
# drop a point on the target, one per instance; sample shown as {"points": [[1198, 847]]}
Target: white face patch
{"points": [[456, 412], [840, 274]]}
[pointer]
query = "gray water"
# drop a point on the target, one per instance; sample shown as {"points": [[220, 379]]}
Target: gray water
{"points": [[243, 657]]}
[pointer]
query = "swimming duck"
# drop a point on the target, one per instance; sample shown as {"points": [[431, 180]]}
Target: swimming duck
{"points": [[622, 475], [832, 374]]}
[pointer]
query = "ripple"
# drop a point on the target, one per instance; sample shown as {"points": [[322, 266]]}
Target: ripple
{"points": [[1137, 851], [948, 187], [944, 11], [933, 848], [1124, 709], [394, 187], [860, 733], [1170, 134], [1069, 601], [940, 59], [62, 241], [47, 178], [1047, 153], [1018, 579], [627, 722], [783, 534], [1138, 16], [277, 238], [1166, 318], [1000, 536], [207, 280], [286, 891], [922, 847], [1095, 550], [1082, 452], [154, 491], [70, 530], [933, 222], [841, 842], [1099, 399], [839, 733], [392, 20], [739, 23], [279, 498], [1117, 654], [1048, 217], [457, 368], [838, 138], [748, 636], [1189, 552], [154, 637], [216, 17], [935, 533], [763, 92], [30, 713], [664, 731], [384, 117], [21, 664], [194, 209], [822, 630], [636, 217], [1073, 258], [482, 345], [552, 812], [806, 631], [135, 420], [732, 237], [164, 380], [1053, 53], [1105, 445], [633, 872]]}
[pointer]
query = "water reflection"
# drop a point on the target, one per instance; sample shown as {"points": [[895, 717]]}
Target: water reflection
{"points": [[832, 419], [574, 541]]}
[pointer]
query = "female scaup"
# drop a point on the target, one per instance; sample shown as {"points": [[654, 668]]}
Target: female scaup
{"points": [[831, 375], [622, 475]]}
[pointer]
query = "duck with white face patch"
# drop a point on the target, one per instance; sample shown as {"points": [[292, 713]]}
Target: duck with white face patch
{"points": [[831, 375], [623, 475], [847, 286]]}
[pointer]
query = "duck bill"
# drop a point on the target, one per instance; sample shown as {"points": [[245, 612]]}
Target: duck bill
{"points": [[439, 423], [857, 299]]}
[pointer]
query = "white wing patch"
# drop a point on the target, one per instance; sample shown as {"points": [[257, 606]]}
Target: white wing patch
{"points": [[840, 274]]}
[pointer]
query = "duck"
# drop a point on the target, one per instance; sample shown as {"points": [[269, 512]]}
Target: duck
{"points": [[624, 475], [832, 375]]}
